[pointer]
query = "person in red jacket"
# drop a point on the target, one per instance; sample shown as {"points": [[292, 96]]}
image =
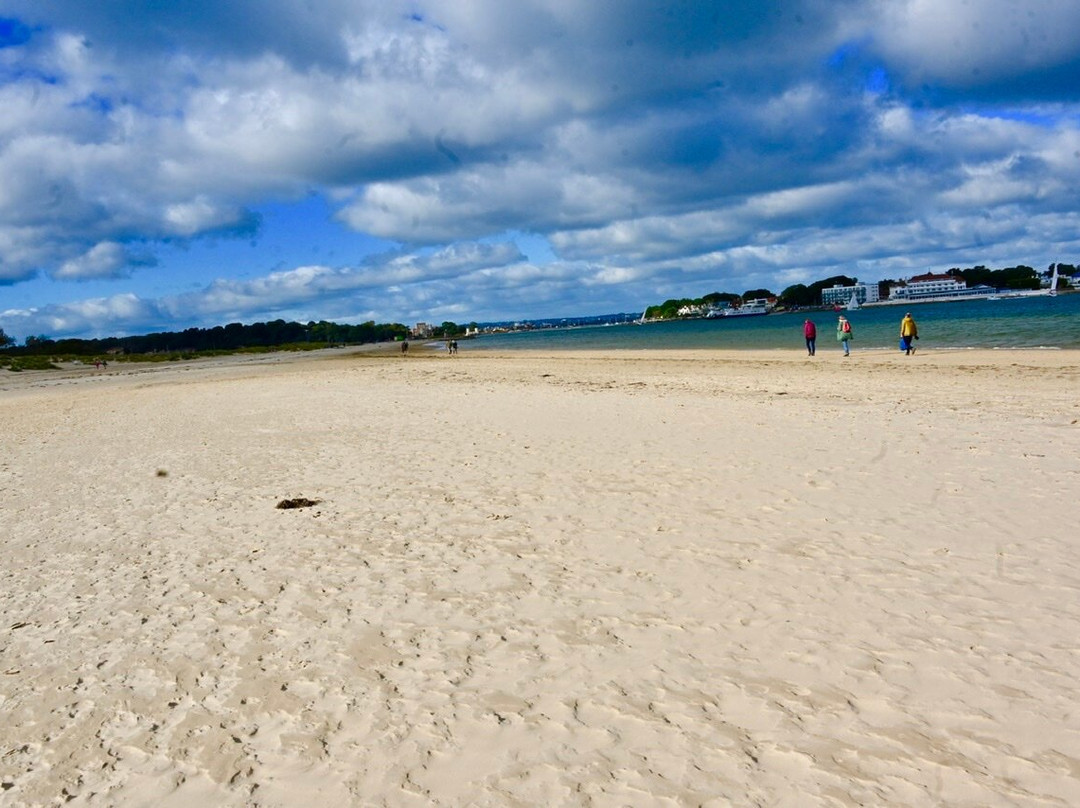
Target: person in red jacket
{"points": [[810, 332]]}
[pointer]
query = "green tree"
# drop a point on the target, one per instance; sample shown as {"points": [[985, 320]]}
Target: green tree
{"points": [[1018, 277], [798, 294], [975, 276], [754, 294], [448, 329], [5, 340], [716, 299], [38, 344]]}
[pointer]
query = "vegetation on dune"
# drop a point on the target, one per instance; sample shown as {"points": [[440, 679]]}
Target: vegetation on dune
{"points": [[19, 363], [39, 352]]}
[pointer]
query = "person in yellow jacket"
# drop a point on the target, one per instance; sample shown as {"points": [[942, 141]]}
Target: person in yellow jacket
{"points": [[909, 332]]}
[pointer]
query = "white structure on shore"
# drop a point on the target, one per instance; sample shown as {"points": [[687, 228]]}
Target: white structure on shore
{"points": [[923, 287], [841, 295]]}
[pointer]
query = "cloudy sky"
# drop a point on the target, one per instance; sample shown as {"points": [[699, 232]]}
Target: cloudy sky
{"points": [[168, 165]]}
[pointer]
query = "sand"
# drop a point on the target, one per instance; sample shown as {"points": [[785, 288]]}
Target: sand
{"points": [[643, 578]]}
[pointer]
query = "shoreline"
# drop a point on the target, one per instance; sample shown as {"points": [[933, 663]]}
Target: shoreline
{"points": [[930, 370]]}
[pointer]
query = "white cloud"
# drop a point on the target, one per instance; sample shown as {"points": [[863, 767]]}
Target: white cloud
{"points": [[413, 278], [104, 260], [975, 43], [197, 216], [94, 317]]}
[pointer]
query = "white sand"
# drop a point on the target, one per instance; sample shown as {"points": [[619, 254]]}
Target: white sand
{"points": [[631, 579]]}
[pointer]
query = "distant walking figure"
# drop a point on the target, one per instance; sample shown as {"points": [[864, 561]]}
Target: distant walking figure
{"points": [[909, 332], [810, 332], [404, 347], [843, 334], [453, 347]]}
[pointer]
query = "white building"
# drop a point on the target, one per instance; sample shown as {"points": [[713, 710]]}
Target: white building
{"points": [[923, 287], [841, 295], [690, 311]]}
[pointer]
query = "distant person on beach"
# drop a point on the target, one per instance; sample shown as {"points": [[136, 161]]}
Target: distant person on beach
{"points": [[909, 332], [843, 334], [404, 347], [810, 332]]}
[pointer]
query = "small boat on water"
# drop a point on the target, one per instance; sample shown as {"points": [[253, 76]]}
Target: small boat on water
{"points": [[853, 304]]}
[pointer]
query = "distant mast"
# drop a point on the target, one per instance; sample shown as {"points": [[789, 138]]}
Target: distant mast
{"points": [[1053, 282]]}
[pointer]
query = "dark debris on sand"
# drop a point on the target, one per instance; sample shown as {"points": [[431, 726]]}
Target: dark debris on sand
{"points": [[298, 502]]}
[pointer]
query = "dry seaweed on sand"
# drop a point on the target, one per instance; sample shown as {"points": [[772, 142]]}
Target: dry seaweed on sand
{"points": [[298, 502]]}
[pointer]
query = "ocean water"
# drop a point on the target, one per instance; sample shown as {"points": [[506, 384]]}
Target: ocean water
{"points": [[1023, 322]]}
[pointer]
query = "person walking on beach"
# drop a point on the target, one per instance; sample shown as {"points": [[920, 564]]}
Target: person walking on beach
{"points": [[810, 332], [909, 332], [843, 334]]}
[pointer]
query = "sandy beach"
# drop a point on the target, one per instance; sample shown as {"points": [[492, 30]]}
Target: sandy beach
{"points": [[640, 578]]}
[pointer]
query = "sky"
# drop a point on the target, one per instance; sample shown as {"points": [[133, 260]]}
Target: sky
{"points": [[190, 164]]}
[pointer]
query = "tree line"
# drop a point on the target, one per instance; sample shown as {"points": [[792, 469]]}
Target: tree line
{"points": [[228, 338]]}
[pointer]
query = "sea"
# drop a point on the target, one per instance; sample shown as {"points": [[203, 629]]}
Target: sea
{"points": [[1008, 323]]}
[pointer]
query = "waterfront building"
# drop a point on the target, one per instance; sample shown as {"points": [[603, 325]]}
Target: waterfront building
{"points": [[923, 287], [841, 295], [691, 311], [760, 302]]}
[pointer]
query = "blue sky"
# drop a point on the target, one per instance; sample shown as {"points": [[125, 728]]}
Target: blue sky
{"points": [[164, 166]]}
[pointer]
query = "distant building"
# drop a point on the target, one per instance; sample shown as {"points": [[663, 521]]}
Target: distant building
{"points": [[691, 311], [421, 331], [841, 295], [923, 287]]}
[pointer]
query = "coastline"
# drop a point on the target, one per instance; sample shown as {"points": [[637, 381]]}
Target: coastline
{"points": [[925, 362], [1041, 322], [546, 577]]}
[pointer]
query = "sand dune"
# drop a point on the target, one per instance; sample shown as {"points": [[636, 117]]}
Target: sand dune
{"points": [[632, 579]]}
